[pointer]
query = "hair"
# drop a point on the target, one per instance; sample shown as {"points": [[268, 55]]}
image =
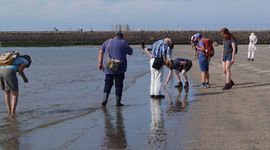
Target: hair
{"points": [[168, 63], [119, 35], [226, 31], [169, 42], [28, 58]]}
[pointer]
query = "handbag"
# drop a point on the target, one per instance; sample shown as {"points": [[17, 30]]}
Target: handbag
{"points": [[158, 63], [112, 64]]}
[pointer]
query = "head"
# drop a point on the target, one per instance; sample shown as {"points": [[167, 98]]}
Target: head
{"points": [[252, 34], [28, 58], [119, 35], [168, 63], [225, 33], [197, 37], [169, 42]]}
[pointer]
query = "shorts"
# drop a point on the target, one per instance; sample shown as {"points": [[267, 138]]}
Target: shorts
{"points": [[203, 62], [188, 66], [9, 80], [227, 57]]}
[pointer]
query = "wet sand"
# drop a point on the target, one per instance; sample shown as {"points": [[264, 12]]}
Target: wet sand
{"points": [[200, 119], [237, 118]]}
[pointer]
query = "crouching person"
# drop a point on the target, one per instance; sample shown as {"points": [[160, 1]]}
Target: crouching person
{"points": [[9, 80], [178, 65]]}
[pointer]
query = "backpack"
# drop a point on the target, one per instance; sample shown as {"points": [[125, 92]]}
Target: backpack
{"points": [[210, 52], [7, 58]]}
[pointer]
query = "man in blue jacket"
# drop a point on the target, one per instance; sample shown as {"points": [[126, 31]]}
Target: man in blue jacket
{"points": [[115, 49]]}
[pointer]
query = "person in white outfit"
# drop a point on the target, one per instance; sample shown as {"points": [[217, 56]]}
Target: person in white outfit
{"points": [[252, 46], [159, 49]]}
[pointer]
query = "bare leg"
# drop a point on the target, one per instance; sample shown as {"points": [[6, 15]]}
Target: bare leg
{"points": [[203, 77], [207, 76], [185, 75], [15, 94], [177, 76], [228, 71], [7, 99]]}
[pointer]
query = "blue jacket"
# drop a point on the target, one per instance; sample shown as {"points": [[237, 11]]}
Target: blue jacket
{"points": [[117, 49]]}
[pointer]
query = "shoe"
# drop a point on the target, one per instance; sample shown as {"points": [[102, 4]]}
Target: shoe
{"points": [[203, 86], [179, 85], [252, 59], [227, 86], [186, 85], [232, 83], [159, 96], [119, 104], [207, 85], [248, 59], [104, 103]]}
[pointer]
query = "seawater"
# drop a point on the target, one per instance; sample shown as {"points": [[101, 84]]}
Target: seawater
{"points": [[64, 82]]}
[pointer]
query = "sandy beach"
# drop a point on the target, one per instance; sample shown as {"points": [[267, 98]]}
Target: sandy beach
{"points": [[200, 119]]}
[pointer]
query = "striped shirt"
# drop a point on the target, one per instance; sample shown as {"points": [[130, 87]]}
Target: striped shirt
{"points": [[160, 48]]}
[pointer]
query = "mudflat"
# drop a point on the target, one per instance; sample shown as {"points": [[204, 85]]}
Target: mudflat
{"points": [[60, 113], [237, 118]]}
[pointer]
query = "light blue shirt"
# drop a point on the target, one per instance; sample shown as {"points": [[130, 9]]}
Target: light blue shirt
{"points": [[16, 63]]}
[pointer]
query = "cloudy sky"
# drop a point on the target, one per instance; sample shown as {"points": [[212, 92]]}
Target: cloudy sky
{"points": [[41, 15]]}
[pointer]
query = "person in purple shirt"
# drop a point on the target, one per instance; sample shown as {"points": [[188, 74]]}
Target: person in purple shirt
{"points": [[116, 48], [202, 59]]}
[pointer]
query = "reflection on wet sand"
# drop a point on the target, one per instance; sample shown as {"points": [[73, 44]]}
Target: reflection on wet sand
{"points": [[115, 136], [181, 101], [158, 136], [9, 134]]}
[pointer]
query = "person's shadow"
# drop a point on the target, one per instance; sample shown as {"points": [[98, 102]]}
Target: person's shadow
{"points": [[10, 134], [115, 136]]}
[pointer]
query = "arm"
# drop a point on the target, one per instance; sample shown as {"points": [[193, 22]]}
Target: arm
{"points": [[201, 47], [129, 50], [233, 53], [100, 60], [169, 76], [255, 40], [147, 52], [21, 73]]}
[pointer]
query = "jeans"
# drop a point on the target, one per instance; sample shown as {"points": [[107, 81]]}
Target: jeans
{"points": [[118, 80]]}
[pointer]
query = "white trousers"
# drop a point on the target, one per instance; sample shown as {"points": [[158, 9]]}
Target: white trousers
{"points": [[251, 51], [156, 79]]}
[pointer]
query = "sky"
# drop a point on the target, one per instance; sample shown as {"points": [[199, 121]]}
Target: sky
{"points": [[66, 15]]}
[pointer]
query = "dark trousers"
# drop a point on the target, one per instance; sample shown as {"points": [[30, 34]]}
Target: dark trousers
{"points": [[118, 80]]}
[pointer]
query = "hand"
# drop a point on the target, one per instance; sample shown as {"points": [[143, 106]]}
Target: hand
{"points": [[232, 61], [25, 80], [101, 67]]}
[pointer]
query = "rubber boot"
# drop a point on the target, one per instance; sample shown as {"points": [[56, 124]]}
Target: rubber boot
{"points": [[118, 101], [105, 99]]}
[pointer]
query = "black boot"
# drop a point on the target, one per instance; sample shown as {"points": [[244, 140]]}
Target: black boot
{"points": [[105, 99], [118, 101]]}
